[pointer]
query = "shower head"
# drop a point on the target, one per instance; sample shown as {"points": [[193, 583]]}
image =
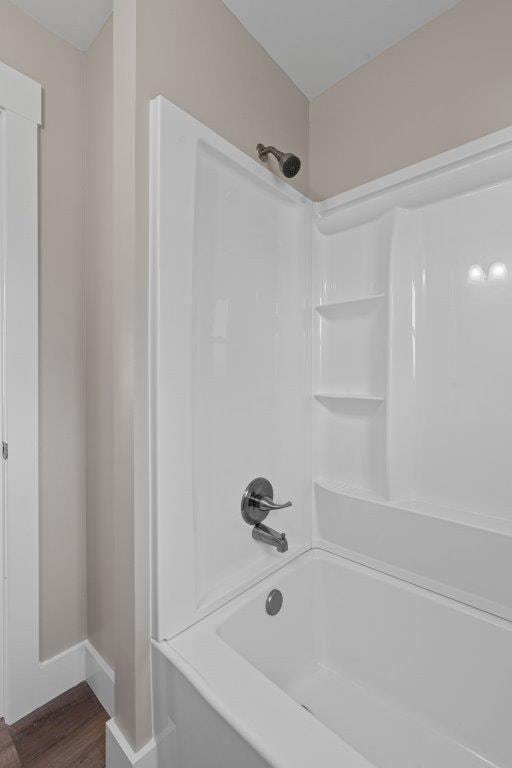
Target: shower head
{"points": [[288, 163]]}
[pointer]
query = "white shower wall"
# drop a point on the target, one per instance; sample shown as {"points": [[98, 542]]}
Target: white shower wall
{"points": [[230, 361], [408, 385], [457, 424], [412, 444]]}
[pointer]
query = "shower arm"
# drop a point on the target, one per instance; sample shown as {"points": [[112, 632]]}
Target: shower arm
{"points": [[264, 152]]}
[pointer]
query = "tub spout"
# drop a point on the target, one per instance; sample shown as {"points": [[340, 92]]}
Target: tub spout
{"points": [[267, 535]]}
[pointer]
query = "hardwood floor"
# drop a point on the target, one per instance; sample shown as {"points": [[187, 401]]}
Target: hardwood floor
{"points": [[68, 732], [8, 754]]}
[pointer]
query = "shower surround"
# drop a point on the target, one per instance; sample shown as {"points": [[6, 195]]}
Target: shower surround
{"points": [[355, 353]]}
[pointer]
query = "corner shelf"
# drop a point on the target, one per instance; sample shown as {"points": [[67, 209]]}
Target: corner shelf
{"points": [[351, 280], [335, 309]]}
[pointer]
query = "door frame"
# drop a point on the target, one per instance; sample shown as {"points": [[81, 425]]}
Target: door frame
{"points": [[20, 117]]}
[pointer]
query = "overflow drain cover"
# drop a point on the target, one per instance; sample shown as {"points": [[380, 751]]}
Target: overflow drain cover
{"points": [[274, 602]]}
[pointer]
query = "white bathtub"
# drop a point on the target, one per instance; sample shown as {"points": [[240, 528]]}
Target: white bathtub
{"points": [[391, 675]]}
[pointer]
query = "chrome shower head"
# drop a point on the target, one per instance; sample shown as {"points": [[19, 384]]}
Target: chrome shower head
{"points": [[288, 163]]}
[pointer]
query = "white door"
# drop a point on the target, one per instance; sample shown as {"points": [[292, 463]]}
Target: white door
{"points": [[20, 113], [3, 570]]}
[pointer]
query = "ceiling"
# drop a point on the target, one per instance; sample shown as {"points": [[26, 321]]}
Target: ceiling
{"points": [[317, 42], [77, 21]]}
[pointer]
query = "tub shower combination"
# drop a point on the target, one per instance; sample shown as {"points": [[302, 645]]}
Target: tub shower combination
{"points": [[351, 356]]}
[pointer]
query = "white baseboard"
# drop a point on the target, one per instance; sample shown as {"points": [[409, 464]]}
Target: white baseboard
{"points": [[121, 755], [100, 677], [46, 680], [60, 673]]}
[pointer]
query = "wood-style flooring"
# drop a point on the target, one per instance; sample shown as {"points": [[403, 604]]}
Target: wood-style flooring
{"points": [[68, 732], [8, 754]]}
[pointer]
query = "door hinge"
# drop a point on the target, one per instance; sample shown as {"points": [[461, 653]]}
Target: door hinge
{"points": [[5, 450]]}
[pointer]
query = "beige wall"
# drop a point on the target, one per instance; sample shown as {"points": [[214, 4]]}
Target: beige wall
{"points": [[198, 55], [446, 84], [58, 66], [99, 318]]}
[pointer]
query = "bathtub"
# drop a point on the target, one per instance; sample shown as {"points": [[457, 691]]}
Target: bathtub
{"points": [[358, 669]]}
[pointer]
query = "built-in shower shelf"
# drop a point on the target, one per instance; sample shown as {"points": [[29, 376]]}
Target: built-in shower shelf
{"points": [[345, 488], [335, 309], [328, 397], [475, 520]]}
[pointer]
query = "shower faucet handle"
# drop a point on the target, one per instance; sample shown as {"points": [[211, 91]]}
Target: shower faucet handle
{"points": [[267, 504], [258, 501]]}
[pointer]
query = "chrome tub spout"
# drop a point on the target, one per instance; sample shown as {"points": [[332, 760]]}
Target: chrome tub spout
{"points": [[267, 535]]}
